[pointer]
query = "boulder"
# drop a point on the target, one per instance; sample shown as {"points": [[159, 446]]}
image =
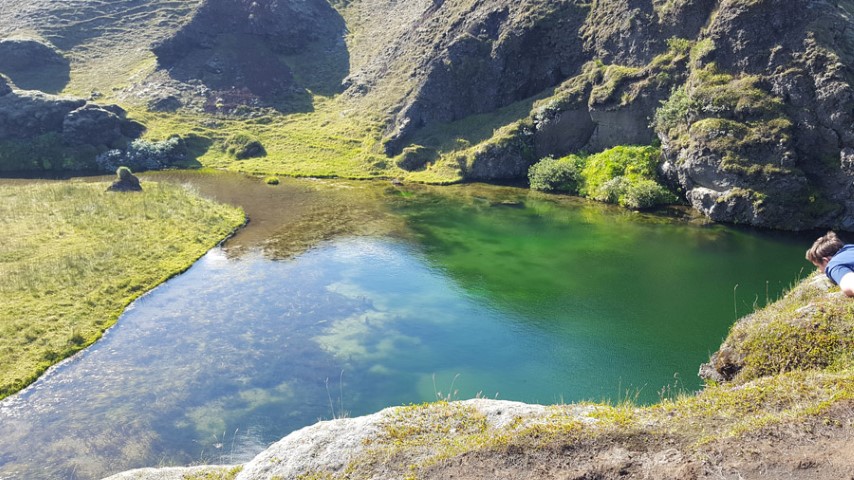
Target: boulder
{"points": [[28, 53], [125, 182], [93, 125], [26, 114]]}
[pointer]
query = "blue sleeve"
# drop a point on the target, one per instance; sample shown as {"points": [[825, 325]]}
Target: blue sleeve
{"points": [[836, 272]]}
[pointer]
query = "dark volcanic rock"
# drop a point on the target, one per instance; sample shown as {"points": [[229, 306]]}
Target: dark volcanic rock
{"points": [[125, 182], [232, 48], [93, 125], [26, 114], [765, 140], [496, 54]]}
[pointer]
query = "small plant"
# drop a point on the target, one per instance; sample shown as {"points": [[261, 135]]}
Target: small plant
{"points": [[271, 180], [123, 173]]}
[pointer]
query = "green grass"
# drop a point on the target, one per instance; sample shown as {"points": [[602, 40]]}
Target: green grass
{"points": [[74, 256], [327, 142]]}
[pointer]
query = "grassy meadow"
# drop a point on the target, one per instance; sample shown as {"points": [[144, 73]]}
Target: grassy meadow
{"points": [[74, 256]]}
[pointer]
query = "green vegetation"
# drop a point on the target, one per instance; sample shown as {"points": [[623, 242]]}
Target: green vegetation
{"points": [[45, 153], [242, 145], [808, 329], [623, 175], [75, 256], [349, 148], [271, 180], [557, 174]]}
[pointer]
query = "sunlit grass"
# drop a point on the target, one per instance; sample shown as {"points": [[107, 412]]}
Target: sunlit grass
{"points": [[74, 255], [327, 142]]}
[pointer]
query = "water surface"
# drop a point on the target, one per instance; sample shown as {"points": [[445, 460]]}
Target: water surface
{"points": [[344, 298]]}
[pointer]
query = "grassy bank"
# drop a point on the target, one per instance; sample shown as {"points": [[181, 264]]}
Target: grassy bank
{"points": [[74, 256]]}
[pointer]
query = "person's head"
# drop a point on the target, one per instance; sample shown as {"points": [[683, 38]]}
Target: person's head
{"points": [[823, 249]]}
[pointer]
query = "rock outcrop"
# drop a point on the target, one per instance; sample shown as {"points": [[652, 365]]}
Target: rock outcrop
{"points": [[40, 131], [26, 114], [125, 181], [329, 447], [229, 53], [751, 101]]}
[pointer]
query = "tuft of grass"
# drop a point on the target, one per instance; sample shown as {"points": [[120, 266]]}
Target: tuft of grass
{"points": [[76, 256]]}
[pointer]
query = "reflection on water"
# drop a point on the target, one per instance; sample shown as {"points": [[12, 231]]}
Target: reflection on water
{"points": [[408, 293]]}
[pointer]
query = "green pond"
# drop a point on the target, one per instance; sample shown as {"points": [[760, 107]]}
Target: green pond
{"points": [[342, 298]]}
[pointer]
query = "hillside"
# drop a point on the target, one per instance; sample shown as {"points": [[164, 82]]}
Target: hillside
{"points": [[750, 101]]}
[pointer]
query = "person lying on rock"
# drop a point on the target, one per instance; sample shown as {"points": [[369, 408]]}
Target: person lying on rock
{"points": [[834, 259]]}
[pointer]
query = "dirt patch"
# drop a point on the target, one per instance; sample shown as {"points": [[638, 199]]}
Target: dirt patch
{"points": [[819, 449]]}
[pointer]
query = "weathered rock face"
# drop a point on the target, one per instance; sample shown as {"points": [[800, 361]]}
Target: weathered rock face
{"points": [[768, 118], [25, 114], [29, 117], [485, 57], [229, 50], [759, 137], [93, 125]]}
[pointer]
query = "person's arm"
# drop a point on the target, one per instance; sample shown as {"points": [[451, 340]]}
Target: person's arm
{"points": [[846, 283]]}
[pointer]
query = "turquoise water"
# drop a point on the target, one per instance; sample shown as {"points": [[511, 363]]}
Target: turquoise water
{"points": [[470, 291]]}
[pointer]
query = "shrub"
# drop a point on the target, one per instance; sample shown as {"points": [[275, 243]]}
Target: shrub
{"points": [[45, 153], [645, 194], [625, 176], [271, 180], [675, 112], [144, 155], [243, 145], [632, 162], [557, 174]]}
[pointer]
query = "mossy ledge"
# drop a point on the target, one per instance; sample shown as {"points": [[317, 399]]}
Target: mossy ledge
{"points": [[790, 405]]}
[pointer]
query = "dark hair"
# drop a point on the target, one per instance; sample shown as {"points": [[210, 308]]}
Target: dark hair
{"points": [[824, 247]]}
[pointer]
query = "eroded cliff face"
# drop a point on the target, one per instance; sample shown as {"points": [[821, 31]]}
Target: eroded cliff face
{"points": [[757, 120], [230, 54], [751, 100]]}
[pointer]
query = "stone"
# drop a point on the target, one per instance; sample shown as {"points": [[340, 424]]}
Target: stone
{"points": [[93, 125], [125, 182]]}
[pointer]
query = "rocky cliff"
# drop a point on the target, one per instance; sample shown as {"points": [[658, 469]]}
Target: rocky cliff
{"points": [[751, 101], [63, 125]]}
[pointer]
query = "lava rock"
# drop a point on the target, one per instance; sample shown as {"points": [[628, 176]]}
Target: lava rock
{"points": [[125, 181]]}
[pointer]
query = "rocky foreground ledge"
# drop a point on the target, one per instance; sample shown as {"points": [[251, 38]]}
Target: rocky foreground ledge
{"points": [[331, 446], [779, 404]]}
